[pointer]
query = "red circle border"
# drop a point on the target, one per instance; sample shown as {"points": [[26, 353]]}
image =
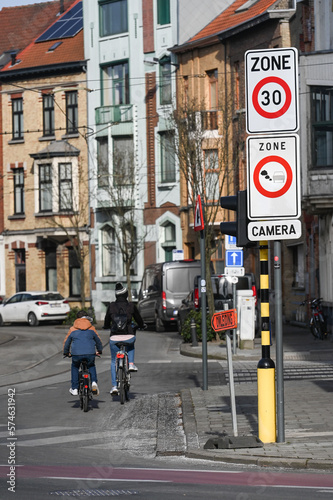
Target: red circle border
{"points": [[258, 87], [256, 174]]}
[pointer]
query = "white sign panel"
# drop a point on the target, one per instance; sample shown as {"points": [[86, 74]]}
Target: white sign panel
{"points": [[234, 271], [274, 230], [273, 177], [271, 90]]}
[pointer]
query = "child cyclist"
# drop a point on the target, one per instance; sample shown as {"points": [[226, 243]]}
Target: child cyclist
{"points": [[83, 342]]}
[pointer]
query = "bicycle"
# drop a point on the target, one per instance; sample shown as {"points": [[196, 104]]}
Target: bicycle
{"points": [[318, 323], [85, 390], [85, 387], [122, 368], [122, 372]]}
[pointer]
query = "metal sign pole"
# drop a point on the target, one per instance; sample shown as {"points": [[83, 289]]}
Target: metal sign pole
{"points": [[203, 311], [234, 336], [231, 381], [279, 342]]}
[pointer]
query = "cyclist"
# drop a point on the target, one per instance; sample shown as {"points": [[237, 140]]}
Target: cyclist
{"points": [[83, 342], [118, 318]]}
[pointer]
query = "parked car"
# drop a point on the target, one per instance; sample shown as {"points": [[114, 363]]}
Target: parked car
{"points": [[33, 307], [223, 294], [164, 286]]}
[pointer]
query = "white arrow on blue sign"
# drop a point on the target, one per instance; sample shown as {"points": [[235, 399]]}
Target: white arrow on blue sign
{"points": [[234, 258]]}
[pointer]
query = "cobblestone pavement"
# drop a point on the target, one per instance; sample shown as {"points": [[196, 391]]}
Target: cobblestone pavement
{"points": [[307, 407]]}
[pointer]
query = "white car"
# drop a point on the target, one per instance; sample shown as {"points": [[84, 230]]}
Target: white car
{"points": [[33, 307]]}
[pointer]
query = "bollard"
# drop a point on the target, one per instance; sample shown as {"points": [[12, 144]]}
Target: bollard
{"points": [[194, 333]]}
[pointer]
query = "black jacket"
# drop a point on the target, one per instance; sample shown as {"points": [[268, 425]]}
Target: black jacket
{"points": [[129, 309]]}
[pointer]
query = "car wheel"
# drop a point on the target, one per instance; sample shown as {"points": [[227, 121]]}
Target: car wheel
{"points": [[32, 319], [1, 321], [159, 325]]}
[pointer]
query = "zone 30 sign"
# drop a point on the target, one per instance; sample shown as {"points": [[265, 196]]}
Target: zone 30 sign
{"points": [[271, 91]]}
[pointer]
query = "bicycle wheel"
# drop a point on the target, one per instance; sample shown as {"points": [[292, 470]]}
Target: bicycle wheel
{"points": [[85, 400], [315, 330], [122, 383], [126, 385]]}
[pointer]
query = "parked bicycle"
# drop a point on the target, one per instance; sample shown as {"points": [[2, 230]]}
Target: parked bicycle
{"points": [[318, 323]]}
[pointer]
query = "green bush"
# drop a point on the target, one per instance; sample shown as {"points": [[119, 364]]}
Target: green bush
{"points": [[71, 317], [186, 330]]}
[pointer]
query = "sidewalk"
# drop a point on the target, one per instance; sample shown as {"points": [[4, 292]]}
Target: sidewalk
{"points": [[308, 391]]}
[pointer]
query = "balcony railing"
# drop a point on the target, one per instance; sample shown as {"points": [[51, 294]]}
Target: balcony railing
{"points": [[114, 114], [209, 120]]}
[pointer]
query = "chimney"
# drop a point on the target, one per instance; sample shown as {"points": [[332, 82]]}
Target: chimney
{"points": [[62, 10], [13, 57]]}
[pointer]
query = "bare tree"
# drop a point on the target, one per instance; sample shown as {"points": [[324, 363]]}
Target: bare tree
{"points": [[70, 194], [206, 155], [120, 207]]}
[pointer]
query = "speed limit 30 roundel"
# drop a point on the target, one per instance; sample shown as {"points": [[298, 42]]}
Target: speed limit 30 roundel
{"points": [[271, 91]]}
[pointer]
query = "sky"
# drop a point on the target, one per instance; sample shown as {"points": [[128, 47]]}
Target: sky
{"points": [[13, 3]]}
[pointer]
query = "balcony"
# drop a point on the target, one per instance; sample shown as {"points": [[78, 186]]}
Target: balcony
{"points": [[209, 120], [114, 114]]}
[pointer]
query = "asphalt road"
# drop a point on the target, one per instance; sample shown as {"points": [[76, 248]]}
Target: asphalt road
{"points": [[127, 450]]}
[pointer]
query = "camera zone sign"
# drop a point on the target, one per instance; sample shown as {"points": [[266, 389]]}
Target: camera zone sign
{"points": [[271, 91]]}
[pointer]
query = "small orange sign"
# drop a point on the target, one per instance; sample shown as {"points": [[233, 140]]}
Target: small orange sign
{"points": [[224, 320]]}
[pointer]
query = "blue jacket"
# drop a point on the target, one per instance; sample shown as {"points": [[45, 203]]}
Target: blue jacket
{"points": [[82, 338]]}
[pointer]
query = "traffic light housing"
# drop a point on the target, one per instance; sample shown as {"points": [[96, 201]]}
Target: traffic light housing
{"points": [[238, 228]]}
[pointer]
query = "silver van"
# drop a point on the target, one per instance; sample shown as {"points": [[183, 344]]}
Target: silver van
{"points": [[163, 288]]}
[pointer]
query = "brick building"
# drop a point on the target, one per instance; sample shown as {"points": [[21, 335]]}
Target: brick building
{"points": [[44, 162]]}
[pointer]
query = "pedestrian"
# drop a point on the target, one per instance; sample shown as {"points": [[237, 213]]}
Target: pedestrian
{"points": [[118, 319], [83, 342]]}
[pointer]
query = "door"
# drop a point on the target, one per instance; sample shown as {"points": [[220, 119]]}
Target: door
{"points": [[12, 310]]}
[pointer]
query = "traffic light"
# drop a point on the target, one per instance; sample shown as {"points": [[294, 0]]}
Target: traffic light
{"points": [[237, 228]]}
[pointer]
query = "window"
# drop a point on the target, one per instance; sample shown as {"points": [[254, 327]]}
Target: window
{"points": [[51, 269], [165, 80], [20, 271], [108, 252], [123, 161], [48, 115], [102, 162], [115, 84], [322, 126], [74, 274], [17, 118], [163, 11], [113, 17], [168, 164], [71, 113], [298, 266], [45, 188], [65, 187], [19, 191], [211, 174], [169, 243], [213, 90]]}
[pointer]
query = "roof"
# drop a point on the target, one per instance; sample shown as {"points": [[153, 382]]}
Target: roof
{"points": [[56, 149], [238, 13], [52, 52], [31, 19]]}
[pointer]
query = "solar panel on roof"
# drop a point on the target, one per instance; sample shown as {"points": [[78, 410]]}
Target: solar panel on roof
{"points": [[67, 26]]}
